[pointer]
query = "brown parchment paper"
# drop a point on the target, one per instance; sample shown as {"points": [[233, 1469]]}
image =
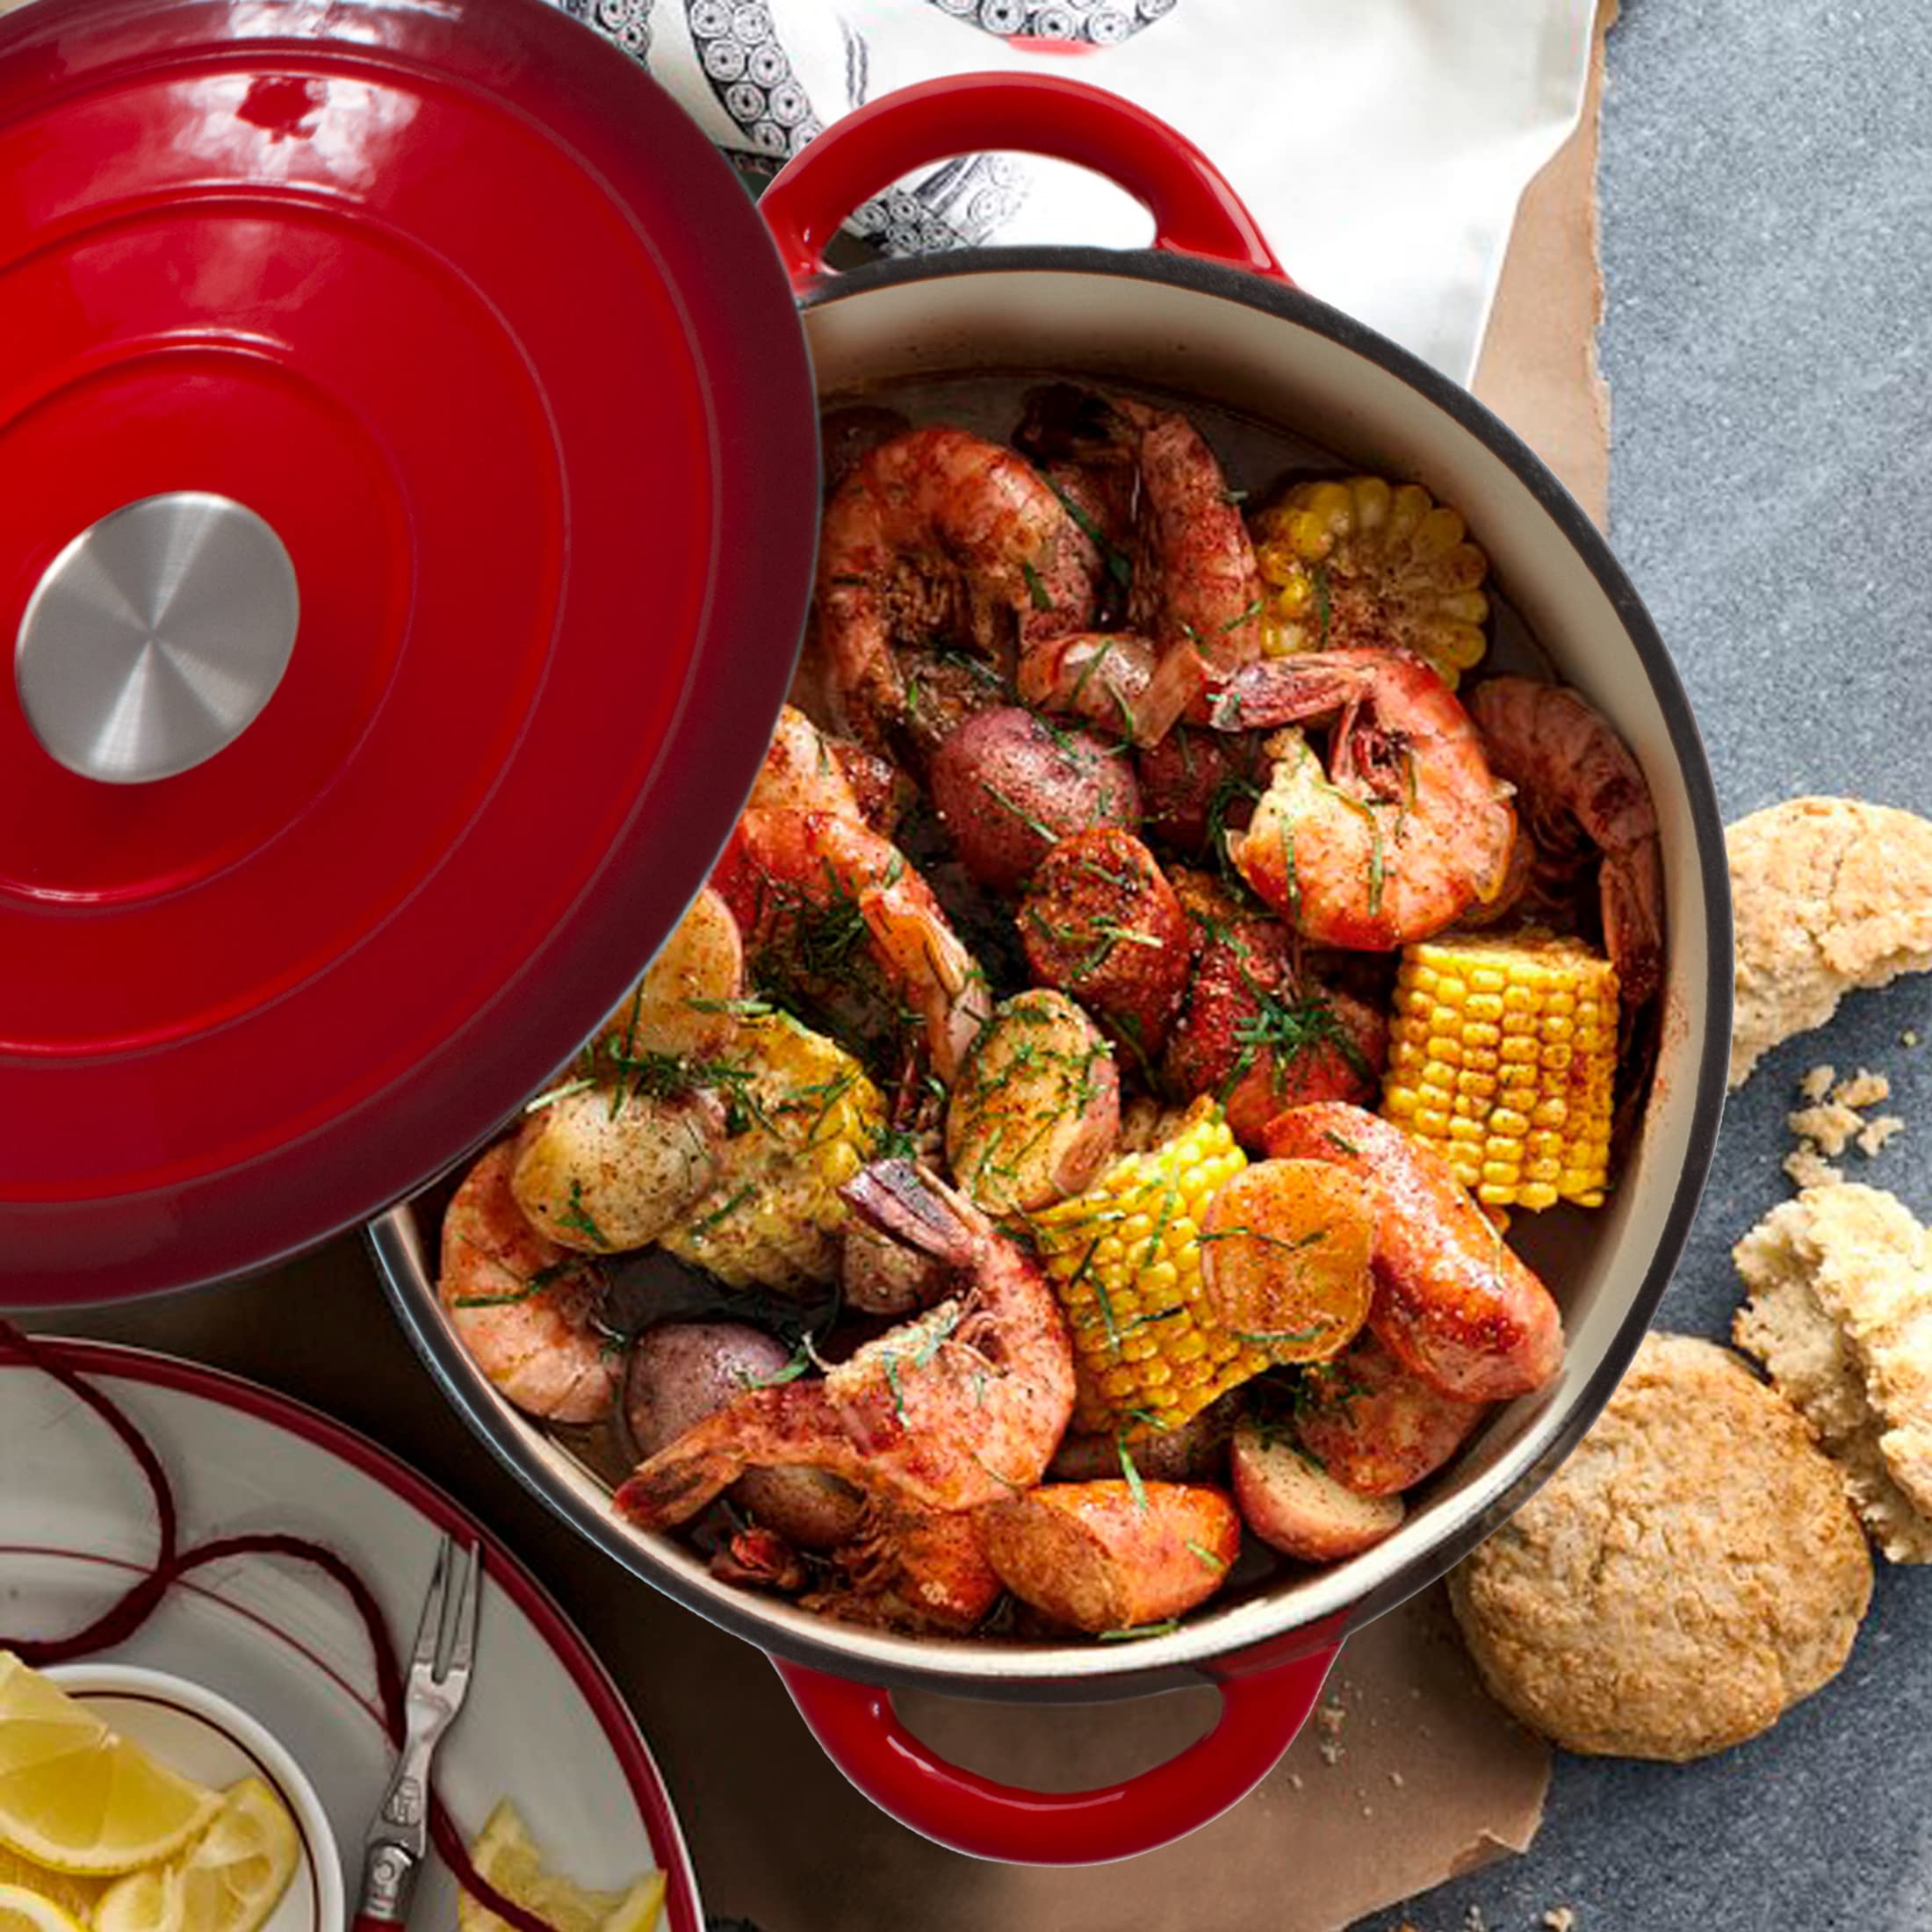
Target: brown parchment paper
{"points": [[1411, 1774]]}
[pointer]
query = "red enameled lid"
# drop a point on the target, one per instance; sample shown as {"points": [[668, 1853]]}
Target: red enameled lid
{"points": [[435, 338]]}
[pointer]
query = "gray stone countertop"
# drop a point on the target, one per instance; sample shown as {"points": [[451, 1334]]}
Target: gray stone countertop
{"points": [[1766, 226]]}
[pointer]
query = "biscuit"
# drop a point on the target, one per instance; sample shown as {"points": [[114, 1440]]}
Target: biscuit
{"points": [[1839, 1314], [1688, 1574], [1826, 894]]}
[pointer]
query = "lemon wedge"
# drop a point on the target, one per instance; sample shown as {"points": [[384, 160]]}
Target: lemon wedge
{"points": [[75, 1795], [75, 1894], [25, 1911], [504, 1855], [228, 1880]]}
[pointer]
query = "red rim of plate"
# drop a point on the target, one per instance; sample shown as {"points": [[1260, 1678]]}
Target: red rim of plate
{"points": [[506, 1571], [465, 306]]}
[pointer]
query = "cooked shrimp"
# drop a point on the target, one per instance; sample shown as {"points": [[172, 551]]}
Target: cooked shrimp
{"points": [[1406, 828], [520, 1304], [911, 1569], [939, 533], [1193, 609], [1128, 467], [1454, 1303], [801, 772], [824, 884], [1578, 785], [967, 1403]]}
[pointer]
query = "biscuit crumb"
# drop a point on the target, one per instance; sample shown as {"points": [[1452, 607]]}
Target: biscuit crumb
{"points": [[1294, 1778], [1805, 1167], [1817, 1084], [1832, 1124], [1396, 1778], [1328, 1729], [1829, 1127], [1863, 1089], [1909, 1038], [1559, 1918], [1472, 1920]]}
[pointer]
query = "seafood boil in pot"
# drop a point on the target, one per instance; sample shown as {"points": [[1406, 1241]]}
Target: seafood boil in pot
{"points": [[1074, 1151]]}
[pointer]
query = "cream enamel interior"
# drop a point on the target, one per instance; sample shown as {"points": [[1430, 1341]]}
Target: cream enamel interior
{"points": [[1203, 343]]}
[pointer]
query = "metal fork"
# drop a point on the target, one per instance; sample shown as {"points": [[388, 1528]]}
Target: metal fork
{"points": [[399, 1840]]}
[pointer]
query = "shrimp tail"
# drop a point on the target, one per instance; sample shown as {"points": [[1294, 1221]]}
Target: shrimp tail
{"points": [[1284, 691], [912, 1206], [792, 1426]]}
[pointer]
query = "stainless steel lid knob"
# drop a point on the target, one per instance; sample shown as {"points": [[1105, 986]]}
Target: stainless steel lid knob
{"points": [[156, 637]]}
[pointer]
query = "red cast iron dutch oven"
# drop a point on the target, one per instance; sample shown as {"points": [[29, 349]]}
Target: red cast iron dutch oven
{"points": [[1206, 312], [407, 457]]}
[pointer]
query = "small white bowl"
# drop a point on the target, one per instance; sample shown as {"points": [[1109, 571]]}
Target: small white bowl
{"points": [[203, 1736]]}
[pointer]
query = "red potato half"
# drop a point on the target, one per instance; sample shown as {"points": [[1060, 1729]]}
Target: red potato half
{"points": [[1008, 786], [1108, 1555], [1299, 1510], [1454, 1301], [1037, 1110], [1376, 1427], [682, 1372]]}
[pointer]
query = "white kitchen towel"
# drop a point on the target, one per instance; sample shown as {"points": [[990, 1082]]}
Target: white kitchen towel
{"points": [[1382, 144]]}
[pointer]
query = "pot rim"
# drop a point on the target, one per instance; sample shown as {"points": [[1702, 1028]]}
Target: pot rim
{"points": [[1351, 1594]]}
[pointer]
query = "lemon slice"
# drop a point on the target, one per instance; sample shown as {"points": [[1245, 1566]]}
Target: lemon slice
{"points": [[75, 1894], [25, 1911], [75, 1795], [505, 1854], [637, 1910], [228, 1880]]}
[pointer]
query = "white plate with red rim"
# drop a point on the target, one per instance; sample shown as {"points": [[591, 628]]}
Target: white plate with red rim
{"points": [[543, 1724]]}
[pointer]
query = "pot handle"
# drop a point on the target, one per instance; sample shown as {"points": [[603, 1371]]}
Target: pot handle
{"points": [[858, 1729], [1195, 212]]}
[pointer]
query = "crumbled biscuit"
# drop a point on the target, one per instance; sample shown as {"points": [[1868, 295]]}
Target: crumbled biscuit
{"points": [[1817, 1084], [1559, 1918], [1807, 1169], [1863, 1090], [1688, 1574], [1878, 1130], [1829, 1127], [1826, 894], [1840, 1313]]}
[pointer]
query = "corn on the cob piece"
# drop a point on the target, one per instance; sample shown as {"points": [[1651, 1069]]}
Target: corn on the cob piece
{"points": [[1366, 561], [1503, 1055], [1125, 1260], [804, 1119]]}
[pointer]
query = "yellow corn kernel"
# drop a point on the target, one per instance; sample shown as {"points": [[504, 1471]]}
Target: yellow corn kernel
{"points": [[1361, 560], [1521, 1031], [1124, 1258]]}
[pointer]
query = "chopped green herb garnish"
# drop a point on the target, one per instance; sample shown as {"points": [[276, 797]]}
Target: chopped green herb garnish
{"points": [[1035, 589], [1206, 1555], [1131, 1474], [578, 1219], [556, 1094], [1141, 1630]]}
